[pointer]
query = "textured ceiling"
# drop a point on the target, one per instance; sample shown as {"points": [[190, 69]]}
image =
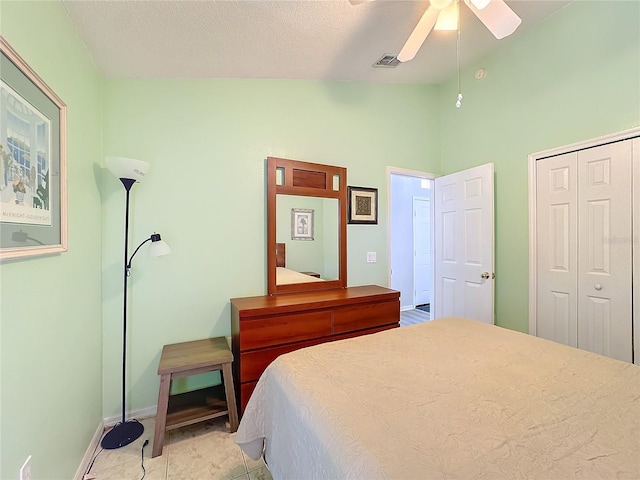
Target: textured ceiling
{"points": [[286, 39]]}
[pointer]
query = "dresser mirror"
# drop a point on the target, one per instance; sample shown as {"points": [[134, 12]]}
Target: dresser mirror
{"points": [[306, 226]]}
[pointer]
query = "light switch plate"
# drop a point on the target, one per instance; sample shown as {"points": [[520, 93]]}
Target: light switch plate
{"points": [[371, 257]]}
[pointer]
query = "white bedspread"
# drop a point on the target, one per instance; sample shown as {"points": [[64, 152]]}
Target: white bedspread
{"points": [[451, 398], [284, 276]]}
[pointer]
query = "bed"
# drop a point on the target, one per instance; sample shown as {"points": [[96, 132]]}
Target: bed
{"points": [[452, 398], [286, 276]]}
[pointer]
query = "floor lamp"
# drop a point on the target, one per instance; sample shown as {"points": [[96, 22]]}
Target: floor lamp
{"points": [[129, 170]]}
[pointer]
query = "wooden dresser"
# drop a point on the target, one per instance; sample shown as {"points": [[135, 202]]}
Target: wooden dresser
{"points": [[265, 327]]}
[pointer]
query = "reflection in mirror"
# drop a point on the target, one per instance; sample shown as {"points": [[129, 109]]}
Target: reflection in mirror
{"points": [[307, 237], [306, 226]]}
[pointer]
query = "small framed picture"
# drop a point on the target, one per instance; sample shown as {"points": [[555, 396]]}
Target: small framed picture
{"points": [[362, 205], [301, 224]]}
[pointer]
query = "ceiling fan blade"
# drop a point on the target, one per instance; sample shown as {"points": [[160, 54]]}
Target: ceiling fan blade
{"points": [[497, 17], [419, 34]]}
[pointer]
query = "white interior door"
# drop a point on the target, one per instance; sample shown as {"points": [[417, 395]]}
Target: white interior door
{"points": [[464, 244], [557, 240], [422, 250], [604, 256]]}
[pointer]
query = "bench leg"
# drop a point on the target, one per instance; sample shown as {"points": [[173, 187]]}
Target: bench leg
{"points": [[231, 396], [161, 416]]}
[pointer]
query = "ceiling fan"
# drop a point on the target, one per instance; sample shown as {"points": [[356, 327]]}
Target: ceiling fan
{"points": [[496, 15]]}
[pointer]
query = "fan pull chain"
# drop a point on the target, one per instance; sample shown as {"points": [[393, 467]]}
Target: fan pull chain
{"points": [[459, 99]]}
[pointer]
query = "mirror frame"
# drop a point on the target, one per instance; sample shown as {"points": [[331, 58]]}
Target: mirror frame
{"points": [[310, 180]]}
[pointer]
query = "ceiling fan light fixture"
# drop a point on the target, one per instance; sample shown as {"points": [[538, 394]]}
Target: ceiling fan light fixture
{"points": [[480, 4], [440, 4], [497, 16], [448, 18]]}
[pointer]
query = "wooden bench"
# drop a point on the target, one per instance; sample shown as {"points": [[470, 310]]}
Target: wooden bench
{"points": [[191, 358]]}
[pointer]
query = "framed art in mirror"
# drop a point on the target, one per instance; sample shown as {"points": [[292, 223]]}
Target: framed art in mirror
{"points": [[302, 224], [363, 205], [33, 189]]}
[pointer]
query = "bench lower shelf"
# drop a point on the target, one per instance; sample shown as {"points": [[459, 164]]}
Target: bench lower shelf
{"points": [[196, 406]]}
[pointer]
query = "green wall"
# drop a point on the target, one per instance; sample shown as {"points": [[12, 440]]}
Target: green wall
{"points": [[207, 141], [576, 77], [50, 309]]}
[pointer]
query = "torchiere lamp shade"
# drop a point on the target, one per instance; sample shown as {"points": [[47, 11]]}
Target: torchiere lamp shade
{"points": [[123, 167]]}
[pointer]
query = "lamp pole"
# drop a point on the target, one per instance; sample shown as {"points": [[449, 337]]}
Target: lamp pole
{"points": [[124, 432], [128, 183]]}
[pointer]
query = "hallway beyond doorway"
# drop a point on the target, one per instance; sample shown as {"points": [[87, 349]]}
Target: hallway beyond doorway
{"points": [[413, 317]]}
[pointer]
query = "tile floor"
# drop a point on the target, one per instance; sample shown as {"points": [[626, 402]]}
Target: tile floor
{"points": [[198, 452]]}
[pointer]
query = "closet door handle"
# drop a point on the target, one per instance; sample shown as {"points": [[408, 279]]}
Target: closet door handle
{"points": [[597, 286], [485, 275]]}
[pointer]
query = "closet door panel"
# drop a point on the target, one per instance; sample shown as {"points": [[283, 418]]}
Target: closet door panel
{"points": [[556, 207], [604, 266], [596, 329]]}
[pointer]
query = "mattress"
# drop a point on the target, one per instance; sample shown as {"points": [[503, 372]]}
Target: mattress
{"points": [[284, 276], [452, 398]]}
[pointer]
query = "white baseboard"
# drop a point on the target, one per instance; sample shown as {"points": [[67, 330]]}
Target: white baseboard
{"points": [[88, 455], [106, 424]]}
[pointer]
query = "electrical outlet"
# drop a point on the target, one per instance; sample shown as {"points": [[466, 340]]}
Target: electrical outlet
{"points": [[25, 470], [371, 257]]}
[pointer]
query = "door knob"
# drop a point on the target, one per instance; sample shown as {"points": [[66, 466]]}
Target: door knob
{"points": [[485, 275], [597, 286]]}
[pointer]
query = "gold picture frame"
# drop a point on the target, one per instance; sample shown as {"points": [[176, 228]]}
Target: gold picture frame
{"points": [[33, 154]]}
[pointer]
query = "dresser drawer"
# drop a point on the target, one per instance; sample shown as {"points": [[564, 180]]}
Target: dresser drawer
{"points": [[343, 336], [369, 315], [276, 330], [252, 364], [246, 389]]}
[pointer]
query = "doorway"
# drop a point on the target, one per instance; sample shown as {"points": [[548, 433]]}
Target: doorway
{"points": [[411, 242], [459, 258]]}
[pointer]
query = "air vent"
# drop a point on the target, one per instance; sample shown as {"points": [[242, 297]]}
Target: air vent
{"points": [[387, 61]]}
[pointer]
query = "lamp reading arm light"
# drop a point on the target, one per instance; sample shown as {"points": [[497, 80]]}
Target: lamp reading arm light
{"points": [[158, 248]]}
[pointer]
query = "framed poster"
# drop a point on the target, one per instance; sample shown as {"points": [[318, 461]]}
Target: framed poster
{"points": [[301, 224], [33, 184], [362, 205]]}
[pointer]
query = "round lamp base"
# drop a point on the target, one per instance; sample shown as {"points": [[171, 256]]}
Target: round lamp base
{"points": [[122, 434]]}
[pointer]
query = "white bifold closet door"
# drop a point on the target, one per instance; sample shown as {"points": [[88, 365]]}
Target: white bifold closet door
{"points": [[584, 205]]}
